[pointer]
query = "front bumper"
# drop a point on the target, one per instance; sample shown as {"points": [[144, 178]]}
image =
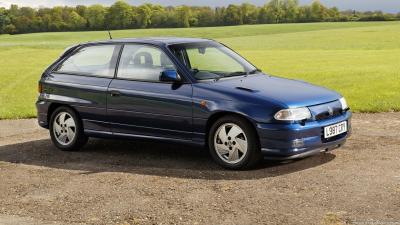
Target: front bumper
{"points": [[290, 141]]}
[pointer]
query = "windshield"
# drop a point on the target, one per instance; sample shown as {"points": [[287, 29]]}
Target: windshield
{"points": [[211, 60]]}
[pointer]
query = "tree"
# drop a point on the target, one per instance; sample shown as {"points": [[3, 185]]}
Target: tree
{"points": [[81, 10], [76, 22], [290, 10], [183, 16], [159, 16], [333, 14], [43, 15], [275, 10], [249, 13], [22, 24], [318, 11], [263, 15], [171, 20], [144, 13], [57, 20], [205, 17], [232, 15], [219, 16], [13, 11], [95, 16], [119, 15], [304, 14], [4, 20], [10, 29]]}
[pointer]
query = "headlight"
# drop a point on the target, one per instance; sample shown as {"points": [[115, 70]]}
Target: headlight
{"points": [[344, 103], [293, 114]]}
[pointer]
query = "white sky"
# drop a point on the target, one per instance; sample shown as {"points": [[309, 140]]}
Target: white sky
{"points": [[363, 5]]}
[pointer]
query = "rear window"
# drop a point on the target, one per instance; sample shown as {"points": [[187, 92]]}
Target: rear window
{"points": [[92, 60]]}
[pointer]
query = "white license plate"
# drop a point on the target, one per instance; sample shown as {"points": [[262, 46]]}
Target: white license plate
{"points": [[335, 129]]}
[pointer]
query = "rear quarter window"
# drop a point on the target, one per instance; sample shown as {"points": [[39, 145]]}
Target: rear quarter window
{"points": [[91, 60]]}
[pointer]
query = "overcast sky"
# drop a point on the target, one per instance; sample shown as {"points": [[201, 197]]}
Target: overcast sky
{"points": [[362, 5]]}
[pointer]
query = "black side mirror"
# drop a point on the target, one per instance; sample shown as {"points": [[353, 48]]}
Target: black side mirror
{"points": [[170, 75]]}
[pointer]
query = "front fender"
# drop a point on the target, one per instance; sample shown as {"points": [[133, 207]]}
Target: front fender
{"points": [[259, 113], [204, 110]]}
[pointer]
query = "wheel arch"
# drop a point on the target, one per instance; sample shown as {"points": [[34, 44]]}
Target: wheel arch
{"points": [[217, 115], [55, 105]]}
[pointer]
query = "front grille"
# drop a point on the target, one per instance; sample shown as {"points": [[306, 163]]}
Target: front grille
{"points": [[327, 115], [326, 110]]}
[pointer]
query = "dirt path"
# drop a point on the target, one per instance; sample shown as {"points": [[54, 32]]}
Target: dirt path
{"points": [[120, 182]]}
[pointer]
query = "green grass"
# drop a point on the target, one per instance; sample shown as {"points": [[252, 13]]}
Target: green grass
{"points": [[360, 60]]}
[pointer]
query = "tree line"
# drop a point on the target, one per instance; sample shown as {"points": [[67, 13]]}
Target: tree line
{"points": [[121, 15]]}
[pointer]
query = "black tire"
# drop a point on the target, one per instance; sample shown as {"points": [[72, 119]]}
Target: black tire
{"points": [[79, 139], [253, 155]]}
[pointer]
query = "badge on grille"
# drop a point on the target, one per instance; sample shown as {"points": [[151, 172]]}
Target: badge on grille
{"points": [[330, 111]]}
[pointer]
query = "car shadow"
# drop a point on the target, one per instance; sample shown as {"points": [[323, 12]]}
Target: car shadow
{"points": [[146, 158]]}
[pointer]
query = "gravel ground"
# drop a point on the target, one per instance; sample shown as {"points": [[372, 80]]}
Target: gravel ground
{"points": [[127, 182]]}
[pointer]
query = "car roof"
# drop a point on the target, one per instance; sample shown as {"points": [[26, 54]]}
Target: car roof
{"points": [[154, 40]]}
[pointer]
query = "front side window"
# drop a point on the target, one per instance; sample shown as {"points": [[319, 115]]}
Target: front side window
{"points": [[91, 60], [210, 60], [143, 62]]}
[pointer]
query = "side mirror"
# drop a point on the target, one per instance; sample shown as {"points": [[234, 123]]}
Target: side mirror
{"points": [[170, 76]]}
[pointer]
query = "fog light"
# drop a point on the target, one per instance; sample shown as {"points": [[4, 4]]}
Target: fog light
{"points": [[298, 143]]}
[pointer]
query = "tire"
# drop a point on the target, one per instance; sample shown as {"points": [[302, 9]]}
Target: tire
{"points": [[236, 150], [66, 130]]}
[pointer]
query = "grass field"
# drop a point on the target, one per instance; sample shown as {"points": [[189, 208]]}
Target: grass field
{"points": [[360, 60]]}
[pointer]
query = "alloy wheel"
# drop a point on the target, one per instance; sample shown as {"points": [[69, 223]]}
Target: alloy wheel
{"points": [[230, 143], [64, 128]]}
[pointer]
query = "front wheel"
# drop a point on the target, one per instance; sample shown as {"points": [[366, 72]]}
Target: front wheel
{"points": [[233, 143], [66, 130]]}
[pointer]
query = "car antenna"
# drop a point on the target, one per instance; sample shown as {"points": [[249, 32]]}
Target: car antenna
{"points": [[109, 34]]}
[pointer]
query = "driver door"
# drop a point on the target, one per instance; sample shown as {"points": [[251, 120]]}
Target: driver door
{"points": [[139, 104]]}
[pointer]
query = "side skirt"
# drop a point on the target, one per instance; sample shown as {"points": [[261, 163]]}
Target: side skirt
{"points": [[105, 134]]}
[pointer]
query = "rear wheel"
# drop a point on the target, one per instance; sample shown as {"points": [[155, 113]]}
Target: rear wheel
{"points": [[233, 143], [66, 130]]}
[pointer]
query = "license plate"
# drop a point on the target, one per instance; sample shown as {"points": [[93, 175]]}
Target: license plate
{"points": [[335, 129]]}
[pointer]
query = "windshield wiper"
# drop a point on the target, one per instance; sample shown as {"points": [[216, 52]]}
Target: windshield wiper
{"points": [[241, 73], [237, 73]]}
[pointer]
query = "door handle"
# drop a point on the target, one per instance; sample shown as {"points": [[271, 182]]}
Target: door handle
{"points": [[115, 93]]}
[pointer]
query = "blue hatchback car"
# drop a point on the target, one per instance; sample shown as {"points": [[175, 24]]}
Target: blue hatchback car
{"points": [[187, 90]]}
